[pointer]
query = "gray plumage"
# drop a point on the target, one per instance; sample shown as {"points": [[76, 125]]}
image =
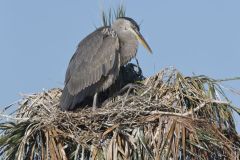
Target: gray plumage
{"points": [[96, 63]]}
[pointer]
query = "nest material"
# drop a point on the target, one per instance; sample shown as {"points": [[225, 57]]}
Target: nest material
{"points": [[164, 116]]}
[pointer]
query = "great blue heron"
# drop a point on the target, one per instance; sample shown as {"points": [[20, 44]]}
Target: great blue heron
{"points": [[96, 63]]}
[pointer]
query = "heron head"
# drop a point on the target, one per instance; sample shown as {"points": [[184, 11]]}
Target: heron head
{"points": [[128, 25]]}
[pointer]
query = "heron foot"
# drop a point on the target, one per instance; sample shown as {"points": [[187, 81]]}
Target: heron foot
{"points": [[128, 87]]}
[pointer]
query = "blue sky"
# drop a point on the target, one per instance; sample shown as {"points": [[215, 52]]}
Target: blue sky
{"points": [[37, 39]]}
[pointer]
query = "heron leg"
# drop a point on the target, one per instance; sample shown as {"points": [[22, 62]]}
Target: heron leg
{"points": [[95, 101]]}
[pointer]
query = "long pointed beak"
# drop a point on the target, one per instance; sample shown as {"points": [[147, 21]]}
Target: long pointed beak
{"points": [[141, 39]]}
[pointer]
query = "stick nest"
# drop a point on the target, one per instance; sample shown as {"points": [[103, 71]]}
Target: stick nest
{"points": [[164, 116]]}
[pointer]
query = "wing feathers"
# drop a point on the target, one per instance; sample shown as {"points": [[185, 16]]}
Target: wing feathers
{"points": [[94, 58]]}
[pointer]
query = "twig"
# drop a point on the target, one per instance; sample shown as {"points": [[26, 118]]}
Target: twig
{"points": [[13, 118]]}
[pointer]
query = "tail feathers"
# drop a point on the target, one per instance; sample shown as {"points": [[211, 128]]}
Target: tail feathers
{"points": [[66, 100], [69, 101]]}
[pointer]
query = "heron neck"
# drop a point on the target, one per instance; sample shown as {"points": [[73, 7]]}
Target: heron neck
{"points": [[128, 47]]}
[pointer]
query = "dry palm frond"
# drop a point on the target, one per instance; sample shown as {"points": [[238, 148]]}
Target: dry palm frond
{"points": [[167, 116]]}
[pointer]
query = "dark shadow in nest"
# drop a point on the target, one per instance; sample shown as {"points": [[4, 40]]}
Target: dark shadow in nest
{"points": [[129, 74]]}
